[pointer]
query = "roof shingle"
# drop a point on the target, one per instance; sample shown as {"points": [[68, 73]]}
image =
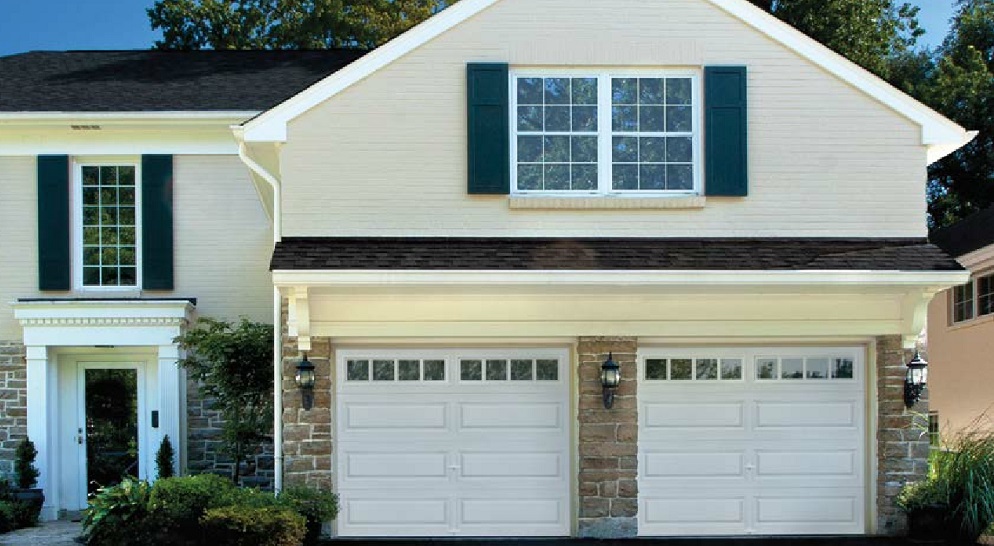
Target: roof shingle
{"points": [[972, 233], [465, 254], [143, 81]]}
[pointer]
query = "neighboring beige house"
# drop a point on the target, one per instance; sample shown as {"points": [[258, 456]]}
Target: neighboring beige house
{"points": [[961, 331], [471, 223]]}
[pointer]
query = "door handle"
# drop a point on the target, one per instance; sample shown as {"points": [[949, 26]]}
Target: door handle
{"points": [[79, 436]]}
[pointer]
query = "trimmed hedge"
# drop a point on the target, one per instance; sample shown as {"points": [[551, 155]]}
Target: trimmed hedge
{"points": [[253, 526]]}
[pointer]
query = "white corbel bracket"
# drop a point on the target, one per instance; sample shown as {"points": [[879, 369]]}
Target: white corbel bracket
{"points": [[914, 313], [299, 317]]}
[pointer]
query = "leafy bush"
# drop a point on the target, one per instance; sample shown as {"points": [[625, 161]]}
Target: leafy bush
{"points": [[118, 515], [8, 518], [179, 503], [315, 505], [164, 458], [253, 526], [962, 481], [24, 464]]}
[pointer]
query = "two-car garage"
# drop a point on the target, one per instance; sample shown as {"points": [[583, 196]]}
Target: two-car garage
{"points": [[478, 442]]}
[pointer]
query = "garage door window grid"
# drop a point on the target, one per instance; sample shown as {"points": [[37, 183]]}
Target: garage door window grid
{"points": [[767, 368], [518, 369], [389, 370]]}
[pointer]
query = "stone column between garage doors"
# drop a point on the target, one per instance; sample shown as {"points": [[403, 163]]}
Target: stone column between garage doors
{"points": [[608, 441], [902, 440], [307, 435]]}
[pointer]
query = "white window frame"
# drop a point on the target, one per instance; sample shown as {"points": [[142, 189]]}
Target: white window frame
{"points": [[77, 220], [974, 284], [604, 128]]}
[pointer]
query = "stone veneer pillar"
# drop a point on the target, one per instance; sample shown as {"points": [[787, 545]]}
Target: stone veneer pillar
{"points": [[608, 441], [307, 436], [902, 444], [13, 403]]}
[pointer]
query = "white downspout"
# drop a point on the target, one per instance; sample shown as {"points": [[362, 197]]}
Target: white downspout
{"points": [[274, 183]]}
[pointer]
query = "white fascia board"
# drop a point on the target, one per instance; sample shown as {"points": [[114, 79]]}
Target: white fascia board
{"points": [[937, 280], [941, 135], [33, 312]]}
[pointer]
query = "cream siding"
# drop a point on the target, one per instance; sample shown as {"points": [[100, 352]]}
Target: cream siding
{"points": [[223, 240], [388, 156]]}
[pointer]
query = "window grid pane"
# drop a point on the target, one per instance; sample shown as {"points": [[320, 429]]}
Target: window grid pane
{"points": [[985, 295], [109, 227], [963, 302], [652, 134], [556, 128]]}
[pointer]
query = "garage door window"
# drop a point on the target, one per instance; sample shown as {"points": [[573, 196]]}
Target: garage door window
{"points": [[770, 368], [693, 369], [392, 370], [509, 370]]}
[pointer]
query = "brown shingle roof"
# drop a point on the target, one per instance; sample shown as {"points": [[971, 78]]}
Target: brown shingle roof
{"points": [[466, 254]]}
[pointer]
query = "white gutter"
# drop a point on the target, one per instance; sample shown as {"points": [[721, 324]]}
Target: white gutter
{"points": [[318, 278], [274, 183], [277, 391], [270, 179]]}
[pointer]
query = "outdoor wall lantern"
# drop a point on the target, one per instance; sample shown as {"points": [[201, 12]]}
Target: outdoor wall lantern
{"points": [[915, 380], [610, 379], [305, 382]]}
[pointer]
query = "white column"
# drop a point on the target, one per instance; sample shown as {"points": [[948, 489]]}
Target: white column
{"points": [[171, 401], [43, 404]]}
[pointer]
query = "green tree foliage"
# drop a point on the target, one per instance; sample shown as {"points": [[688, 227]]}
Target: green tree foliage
{"points": [[867, 32], [286, 24], [24, 464], [960, 84], [234, 363]]}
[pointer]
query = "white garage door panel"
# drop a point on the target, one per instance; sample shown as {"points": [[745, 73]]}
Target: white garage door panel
{"points": [[405, 417], [693, 416], [805, 415], [823, 464], [478, 447], [776, 449], [512, 465], [521, 417], [692, 465], [396, 512], [396, 465]]}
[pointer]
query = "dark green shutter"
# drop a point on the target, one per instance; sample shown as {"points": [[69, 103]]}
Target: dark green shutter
{"points": [[54, 235], [157, 222], [726, 147], [488, 123]]}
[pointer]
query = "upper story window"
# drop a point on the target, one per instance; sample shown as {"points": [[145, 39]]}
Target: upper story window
{"points": [[107, 253], [606, 133], [973, 299]]}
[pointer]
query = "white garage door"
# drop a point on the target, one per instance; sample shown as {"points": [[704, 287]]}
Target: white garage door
{"points": [[453, 442], [751, 441]]}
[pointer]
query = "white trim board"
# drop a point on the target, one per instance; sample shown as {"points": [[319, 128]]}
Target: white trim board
{"points": [[941, 135]]}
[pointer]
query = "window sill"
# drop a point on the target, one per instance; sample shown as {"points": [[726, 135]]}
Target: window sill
{"points": [[962, 325], [605, 202]]}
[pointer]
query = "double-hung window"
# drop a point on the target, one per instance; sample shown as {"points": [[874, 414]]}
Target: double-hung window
{"points": [[973, 299], [589, 132], [107, 225]]}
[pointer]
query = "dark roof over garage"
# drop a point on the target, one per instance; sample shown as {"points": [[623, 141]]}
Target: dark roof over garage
{"points": [[141, 81], [972, 233], [465, 254]]}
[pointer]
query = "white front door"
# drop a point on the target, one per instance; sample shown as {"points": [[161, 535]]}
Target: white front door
{"points": [[453, 442], [105, 423], [752, 441]]}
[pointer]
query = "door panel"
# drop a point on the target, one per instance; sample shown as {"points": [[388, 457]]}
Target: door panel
{"points": [[477, 447], [776, 449]]}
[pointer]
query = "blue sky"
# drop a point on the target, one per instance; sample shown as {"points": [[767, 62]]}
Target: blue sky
{"points": [[123, 24]]}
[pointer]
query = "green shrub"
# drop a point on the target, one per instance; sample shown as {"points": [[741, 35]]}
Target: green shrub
{"points": [[177, 504], [922, 495], [118, 515], [24, 464], [164, 458], [8, 519], [252, 526], [315, 505], [25, 514]]}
